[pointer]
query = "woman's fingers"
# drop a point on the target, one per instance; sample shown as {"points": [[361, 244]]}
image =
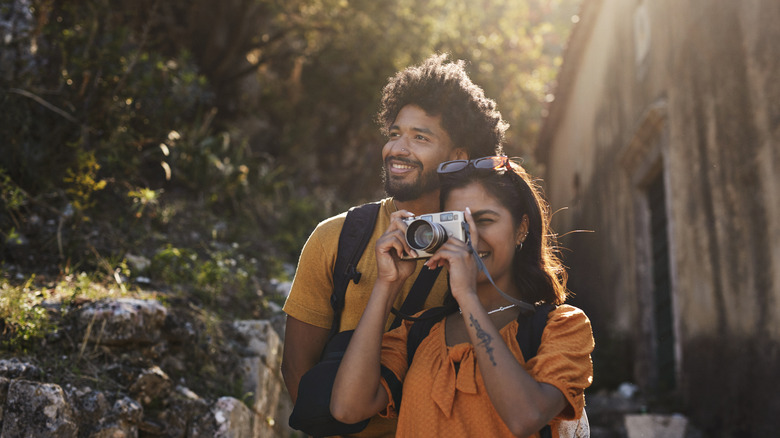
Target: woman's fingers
{"points": [[453, 251], [474, 234]]}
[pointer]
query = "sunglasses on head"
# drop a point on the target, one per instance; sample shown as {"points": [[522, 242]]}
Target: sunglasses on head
{"points": [[494, 162]]}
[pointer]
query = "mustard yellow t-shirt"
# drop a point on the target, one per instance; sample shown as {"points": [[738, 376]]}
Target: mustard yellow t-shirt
{"points": [[309, 299]]}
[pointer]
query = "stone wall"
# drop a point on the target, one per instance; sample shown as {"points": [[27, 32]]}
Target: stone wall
{"points": [[683, 91], [141, 344]]}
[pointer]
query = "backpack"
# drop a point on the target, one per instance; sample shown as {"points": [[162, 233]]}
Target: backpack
{"points": [[311, 413], [529, 338], [355, 235]]}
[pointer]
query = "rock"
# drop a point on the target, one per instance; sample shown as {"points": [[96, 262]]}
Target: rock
{"points": [[112, 431], [138, 263], [91, 406], [179, 328], [3, 396], [261, 376], [260, 340], [627, 390], [656, 426], [98, 418], [128, 410], [15, 369], [151, 384], [232, 417], [37, 410], [227, 418], [121, 421], [123, 321], [182, 407]]}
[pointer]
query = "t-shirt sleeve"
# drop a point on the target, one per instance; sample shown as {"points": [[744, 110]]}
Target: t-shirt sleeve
{"points": [[309, 299], [394, 366], [563, 359]]}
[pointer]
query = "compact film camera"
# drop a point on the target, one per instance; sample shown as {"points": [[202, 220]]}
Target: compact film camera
{"points": [[426, 233]]}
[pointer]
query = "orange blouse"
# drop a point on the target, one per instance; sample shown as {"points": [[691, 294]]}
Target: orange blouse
{"points": [[440, 401]]}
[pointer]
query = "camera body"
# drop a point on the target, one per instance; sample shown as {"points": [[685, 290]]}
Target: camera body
{"points": [[427, 233]]}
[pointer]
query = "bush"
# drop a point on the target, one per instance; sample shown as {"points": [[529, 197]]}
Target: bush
{"points": [[23, 320]]}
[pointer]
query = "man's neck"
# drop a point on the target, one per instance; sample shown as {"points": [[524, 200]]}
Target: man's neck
{"points": [[425, 204]]}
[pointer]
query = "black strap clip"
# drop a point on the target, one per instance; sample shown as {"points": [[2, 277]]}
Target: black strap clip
{"points": [[353, 274]]}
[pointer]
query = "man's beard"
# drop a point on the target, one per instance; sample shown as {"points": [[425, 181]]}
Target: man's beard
{"points": [[427, 182]]}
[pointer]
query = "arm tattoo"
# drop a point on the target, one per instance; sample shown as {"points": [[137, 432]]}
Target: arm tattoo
{"points": [[484, 337]]}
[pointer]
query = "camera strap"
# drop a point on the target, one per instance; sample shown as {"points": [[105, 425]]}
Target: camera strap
{"points": [[521, 304]]}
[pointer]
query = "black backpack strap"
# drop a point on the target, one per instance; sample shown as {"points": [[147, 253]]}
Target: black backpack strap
{"points": [[355, 234], [415, 299], [417, 332], [420, 329], [530, 327]]}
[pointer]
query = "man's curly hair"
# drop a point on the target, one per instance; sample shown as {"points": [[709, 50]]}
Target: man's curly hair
{"points": [[443, 88]]}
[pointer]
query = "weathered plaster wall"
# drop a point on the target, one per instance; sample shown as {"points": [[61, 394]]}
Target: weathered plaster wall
{"points": [[703, 106]]}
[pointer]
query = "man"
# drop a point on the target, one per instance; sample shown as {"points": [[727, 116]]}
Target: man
{"points": [[430, 113]]}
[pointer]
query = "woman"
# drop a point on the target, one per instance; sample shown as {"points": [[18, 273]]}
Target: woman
{"points": [[468, 376]]}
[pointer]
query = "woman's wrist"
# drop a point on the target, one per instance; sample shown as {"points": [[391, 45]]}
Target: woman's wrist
{"points": [[386, 293], [467, 301]]}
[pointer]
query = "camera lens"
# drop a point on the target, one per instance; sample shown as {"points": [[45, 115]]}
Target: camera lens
{"points": [[424, 235]]}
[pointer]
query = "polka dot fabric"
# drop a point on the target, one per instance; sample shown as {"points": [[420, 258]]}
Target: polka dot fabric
{"points": [[440, 401]]}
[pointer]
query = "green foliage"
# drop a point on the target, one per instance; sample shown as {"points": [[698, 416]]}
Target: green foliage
{"points": [[158, 120], [144, 198], [11, 195], [81, 183], [12, 200], [221, 274], [175, 265], [85, 286], [22, 318]]}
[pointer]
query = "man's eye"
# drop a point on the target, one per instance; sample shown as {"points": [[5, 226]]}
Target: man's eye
{"points": [[420, 137]]}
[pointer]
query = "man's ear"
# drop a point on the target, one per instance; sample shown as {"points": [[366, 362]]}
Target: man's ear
{"points": [[459, 154]]}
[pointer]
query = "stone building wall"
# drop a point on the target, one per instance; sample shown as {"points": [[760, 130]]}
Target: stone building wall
{"points": [[664, 139]]}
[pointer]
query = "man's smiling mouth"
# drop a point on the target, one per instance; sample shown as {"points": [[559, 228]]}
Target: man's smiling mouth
{"points": [[401, 166], [396, 165]]}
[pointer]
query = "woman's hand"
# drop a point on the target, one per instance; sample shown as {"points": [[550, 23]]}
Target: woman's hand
{"points": [[456, 256], [390, 248]]}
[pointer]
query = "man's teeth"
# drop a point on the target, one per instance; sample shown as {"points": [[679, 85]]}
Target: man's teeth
{"points": [[483, 254], [402, 166]]}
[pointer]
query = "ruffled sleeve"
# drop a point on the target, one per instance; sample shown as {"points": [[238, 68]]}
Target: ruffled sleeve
{"points": [[563, 359], [394, 364]]}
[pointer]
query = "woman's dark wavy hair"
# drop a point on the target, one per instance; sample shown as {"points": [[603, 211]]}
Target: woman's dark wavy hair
{"points": [[539, 273], [443, 88]]}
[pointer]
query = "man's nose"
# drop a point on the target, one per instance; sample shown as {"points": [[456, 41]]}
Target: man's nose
{"points": [[401, 146]]}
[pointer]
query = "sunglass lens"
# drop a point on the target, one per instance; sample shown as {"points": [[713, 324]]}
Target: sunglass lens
{"points": [[452, 166], [490, 162]]}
